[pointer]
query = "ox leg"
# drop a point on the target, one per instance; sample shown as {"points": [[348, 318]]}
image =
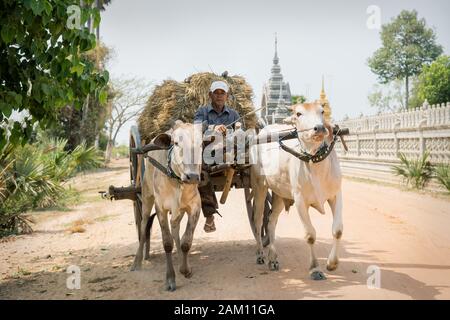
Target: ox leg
{"points": [[186, 242], [337, 229], [168, 247], [147, 206], [277, 207], [258, 216], [310, 236], [175, 221]]}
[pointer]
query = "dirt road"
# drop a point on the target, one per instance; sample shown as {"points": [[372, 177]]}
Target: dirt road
{"points": [[405, 234]]}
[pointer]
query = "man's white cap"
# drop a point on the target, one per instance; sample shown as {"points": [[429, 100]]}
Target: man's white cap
{"points": [[218, 85]]}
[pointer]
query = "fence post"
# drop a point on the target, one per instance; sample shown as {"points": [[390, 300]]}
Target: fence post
{"points": [[375, 151], [358, 147]]}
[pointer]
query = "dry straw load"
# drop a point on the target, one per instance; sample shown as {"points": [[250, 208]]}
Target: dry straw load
{"points": [[174, 100]]}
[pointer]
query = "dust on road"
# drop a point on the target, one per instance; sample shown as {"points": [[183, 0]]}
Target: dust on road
{"points": [[404, 234]]}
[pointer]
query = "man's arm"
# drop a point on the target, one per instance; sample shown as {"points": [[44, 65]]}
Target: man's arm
{"points": [[235, 117], [199, 115], [199, 118]]}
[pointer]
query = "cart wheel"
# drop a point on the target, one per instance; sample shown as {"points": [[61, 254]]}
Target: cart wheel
{"points": [[136, 175], [250, 202]]}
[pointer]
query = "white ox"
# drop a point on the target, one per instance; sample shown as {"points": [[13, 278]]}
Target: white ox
{"points": [[293, 181], [177, 196]]}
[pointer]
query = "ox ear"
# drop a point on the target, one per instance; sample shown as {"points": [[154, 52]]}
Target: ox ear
{"points": [[177, 124], [162, 140]]}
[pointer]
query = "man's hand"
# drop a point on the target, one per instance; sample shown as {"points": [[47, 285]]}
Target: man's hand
{"points": [[221, 129]]}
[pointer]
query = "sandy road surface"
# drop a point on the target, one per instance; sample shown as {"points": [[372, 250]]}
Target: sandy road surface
{"points": [[405, 234]]}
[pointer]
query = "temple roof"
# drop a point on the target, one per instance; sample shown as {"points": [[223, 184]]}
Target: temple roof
{"points": [[276, 92]]}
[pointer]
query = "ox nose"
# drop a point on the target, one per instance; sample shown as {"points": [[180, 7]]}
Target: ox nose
{"points": [[320, 128], [192, 178]]}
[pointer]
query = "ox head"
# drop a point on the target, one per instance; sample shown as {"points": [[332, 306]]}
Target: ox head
{"points": [[309, 120], [186, 154]]}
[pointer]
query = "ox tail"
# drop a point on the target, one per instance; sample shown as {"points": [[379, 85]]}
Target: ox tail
{"points": [[148, 227], [287, 204]]}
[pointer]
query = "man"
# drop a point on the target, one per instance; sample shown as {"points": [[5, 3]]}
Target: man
{"points": [[220, 115]]}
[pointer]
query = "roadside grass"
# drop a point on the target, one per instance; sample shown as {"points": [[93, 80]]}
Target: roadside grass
{"points": [[79, 225]]}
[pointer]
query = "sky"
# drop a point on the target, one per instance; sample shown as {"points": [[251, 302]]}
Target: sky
{"points": [[156, 40]]}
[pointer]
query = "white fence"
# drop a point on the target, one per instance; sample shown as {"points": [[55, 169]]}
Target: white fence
{"points": [[376, 141]]}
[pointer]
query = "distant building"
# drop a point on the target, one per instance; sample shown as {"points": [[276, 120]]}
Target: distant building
{"points": [[276, 95], [325, 103]]}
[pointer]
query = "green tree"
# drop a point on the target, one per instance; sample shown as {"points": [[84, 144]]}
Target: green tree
{"points": [[407, 45], [42, 67], [297, 99], [77, 125], [434, 81], [101, 5]]}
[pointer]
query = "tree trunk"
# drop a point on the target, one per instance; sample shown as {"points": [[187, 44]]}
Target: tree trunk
{"points": [[97, 141], [98, 27], [109, 147], [97, 136], [407, 93], [84, 116], [108, 151]]}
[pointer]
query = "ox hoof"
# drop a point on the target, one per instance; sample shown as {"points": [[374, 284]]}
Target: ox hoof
{"points": [[260, 260], [187, 273], [136, 266], [318, 275], [332, 265], [171, 285], [274, 266]]}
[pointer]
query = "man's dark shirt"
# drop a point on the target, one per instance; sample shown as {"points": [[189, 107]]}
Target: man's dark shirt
{"points": [[212, 117]]}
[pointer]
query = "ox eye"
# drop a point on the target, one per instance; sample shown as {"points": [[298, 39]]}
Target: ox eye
{"points": [[299, 114], [323, 111]]}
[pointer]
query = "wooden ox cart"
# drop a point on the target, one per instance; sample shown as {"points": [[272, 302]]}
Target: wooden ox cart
{"points": [[223, 177]]}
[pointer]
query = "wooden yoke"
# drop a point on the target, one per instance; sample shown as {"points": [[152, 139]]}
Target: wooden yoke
{"points": [[230, 171]]}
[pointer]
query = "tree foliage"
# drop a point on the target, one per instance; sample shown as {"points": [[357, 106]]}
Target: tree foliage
{"points": [[434, 81], [407, 45], [42, 67], [297, 99], [78, 125]]}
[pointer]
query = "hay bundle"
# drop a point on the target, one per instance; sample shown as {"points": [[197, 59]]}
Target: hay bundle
{"points": [[174, 100]]}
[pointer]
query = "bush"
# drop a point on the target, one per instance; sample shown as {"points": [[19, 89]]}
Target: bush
{"points": [[33, 177], [442, 174], [415, 172]]}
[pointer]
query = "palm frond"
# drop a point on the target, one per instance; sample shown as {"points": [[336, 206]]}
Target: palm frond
{"points": [[442, 174], [415, 172]]}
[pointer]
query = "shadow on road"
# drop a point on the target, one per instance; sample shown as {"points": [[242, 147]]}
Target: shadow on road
{"points": [[222, 270]]}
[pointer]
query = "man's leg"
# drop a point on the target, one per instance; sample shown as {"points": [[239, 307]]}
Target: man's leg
{"points": [[209, 205]]}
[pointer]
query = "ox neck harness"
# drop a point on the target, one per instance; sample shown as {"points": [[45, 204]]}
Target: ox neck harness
{"points": [[323, 151], [167, 171]]}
